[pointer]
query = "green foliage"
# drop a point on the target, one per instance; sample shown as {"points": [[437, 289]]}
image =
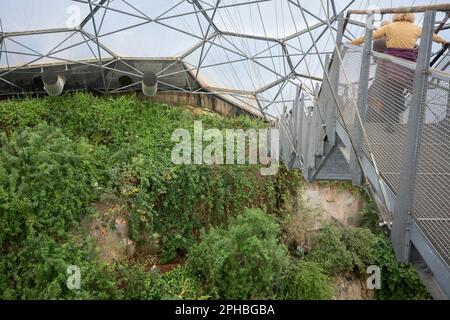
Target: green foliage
{"points": [[132, 144], [330, 251], [307, 281], [399, 281], [177, 284], [354, 249], [180, 284], [61, 154], [242, 261], [38, 270], [46, 181], [369, 215], [359, 243]]}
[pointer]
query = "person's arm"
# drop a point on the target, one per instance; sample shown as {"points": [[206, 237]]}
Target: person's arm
{"points": [[378, 34], [439, 39], [436, 38]]}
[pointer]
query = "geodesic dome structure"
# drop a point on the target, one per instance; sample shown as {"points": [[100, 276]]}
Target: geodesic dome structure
{"points": [[253, 53]]}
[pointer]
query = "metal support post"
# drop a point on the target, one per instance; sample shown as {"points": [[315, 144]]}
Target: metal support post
{"points": [[334, 71], [296, 129], [308, 155], [361, 105], [400, 234]]}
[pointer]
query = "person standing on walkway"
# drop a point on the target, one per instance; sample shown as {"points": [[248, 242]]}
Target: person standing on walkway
{"points": [[401, 39]]}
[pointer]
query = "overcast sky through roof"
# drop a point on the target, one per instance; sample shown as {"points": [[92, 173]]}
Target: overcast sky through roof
{"points": [[170, 28]]}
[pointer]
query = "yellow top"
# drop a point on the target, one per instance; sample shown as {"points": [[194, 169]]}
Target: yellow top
{"points": [[402, 34]]}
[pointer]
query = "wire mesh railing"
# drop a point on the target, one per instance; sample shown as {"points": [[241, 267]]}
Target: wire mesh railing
{"points": [[387, 104], [386, 128], [431, 201], [348, 85], [389, 89]]}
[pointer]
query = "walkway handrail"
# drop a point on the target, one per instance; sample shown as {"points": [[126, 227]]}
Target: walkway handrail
{"points": [[414, 9]]}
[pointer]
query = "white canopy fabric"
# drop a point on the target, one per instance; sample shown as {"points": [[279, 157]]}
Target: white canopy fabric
{"points": [[254, 52]]}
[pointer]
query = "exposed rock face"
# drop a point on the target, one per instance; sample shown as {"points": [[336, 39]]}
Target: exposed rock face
{"points": [[319, 205], [109, 230], [348, 286], [333, 204]]}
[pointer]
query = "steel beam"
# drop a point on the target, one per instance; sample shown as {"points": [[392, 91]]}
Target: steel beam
{"points": [[440, 270], [96, 31], [416, 9], [402, 214], [308, 156], [92, 13], [297, 114], [361, 106]]}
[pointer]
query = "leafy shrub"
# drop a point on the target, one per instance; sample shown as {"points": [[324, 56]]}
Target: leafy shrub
{"points": [[307, 281], [46, 181], [130, 144], [242, 261], [398, 280], [360, 243], [354, 249], [179, 283], [38, 270], [369, 215], [137, 284], [330, 251], [58, 154]]}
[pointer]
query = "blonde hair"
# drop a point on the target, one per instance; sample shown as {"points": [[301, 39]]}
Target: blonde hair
{"points": [[407, 16]]}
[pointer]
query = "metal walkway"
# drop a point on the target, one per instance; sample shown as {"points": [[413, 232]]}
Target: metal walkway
{"points": [[386, 121]]}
